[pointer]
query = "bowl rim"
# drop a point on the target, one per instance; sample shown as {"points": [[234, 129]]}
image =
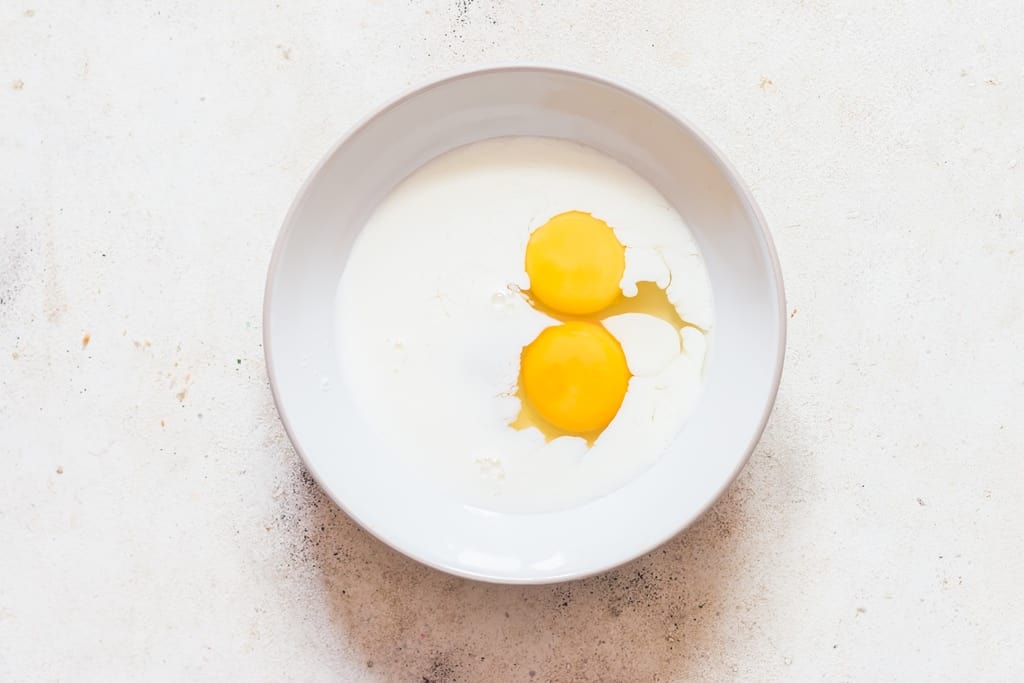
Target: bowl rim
{"points": [[717, 157]]}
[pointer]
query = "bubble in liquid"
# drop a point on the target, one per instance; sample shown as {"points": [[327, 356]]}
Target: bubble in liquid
{"points": [[501, 300], [504, 298]]}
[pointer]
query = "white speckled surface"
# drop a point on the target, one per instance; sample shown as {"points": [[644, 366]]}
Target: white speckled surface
{"points": [[155, 524]]}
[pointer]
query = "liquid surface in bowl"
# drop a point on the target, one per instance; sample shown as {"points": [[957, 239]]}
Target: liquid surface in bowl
{"points": [[512, 392]]}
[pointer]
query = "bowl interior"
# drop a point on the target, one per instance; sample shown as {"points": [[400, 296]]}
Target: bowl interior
{"points": [[368, 481]]}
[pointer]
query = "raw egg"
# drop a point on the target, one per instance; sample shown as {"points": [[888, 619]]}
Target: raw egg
{"points": [[575, 263], [575, 376]]}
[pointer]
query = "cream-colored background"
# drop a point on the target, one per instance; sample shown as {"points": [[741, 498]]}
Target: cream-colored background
{"points": [[155, 524]]}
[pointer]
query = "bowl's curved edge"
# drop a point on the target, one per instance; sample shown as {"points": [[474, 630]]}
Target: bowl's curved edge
{"points": [[735, 180]]}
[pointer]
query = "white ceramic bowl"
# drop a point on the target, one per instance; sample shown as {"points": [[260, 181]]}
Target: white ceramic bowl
{"points": [[367, 481]]}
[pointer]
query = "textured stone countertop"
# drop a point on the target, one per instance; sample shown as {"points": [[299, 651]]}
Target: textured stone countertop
{"points": [[155, 523]]}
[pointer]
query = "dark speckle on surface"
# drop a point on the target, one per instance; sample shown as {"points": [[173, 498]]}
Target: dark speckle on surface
{"points": [[462, 10], [307, 479], [442, 669], [415, 623]]}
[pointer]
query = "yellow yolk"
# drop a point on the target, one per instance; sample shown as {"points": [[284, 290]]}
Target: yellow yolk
{"points": [[575, 263], [575, 376]]}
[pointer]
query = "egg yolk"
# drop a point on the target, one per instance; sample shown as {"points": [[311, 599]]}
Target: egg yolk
{"points": [[575, 263], [575, 376]]}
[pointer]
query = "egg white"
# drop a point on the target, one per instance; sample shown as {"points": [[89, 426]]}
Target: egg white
{"points": [[430, 323]]}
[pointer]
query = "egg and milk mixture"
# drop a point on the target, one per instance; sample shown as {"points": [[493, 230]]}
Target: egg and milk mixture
{"points": [[525, 320]]}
